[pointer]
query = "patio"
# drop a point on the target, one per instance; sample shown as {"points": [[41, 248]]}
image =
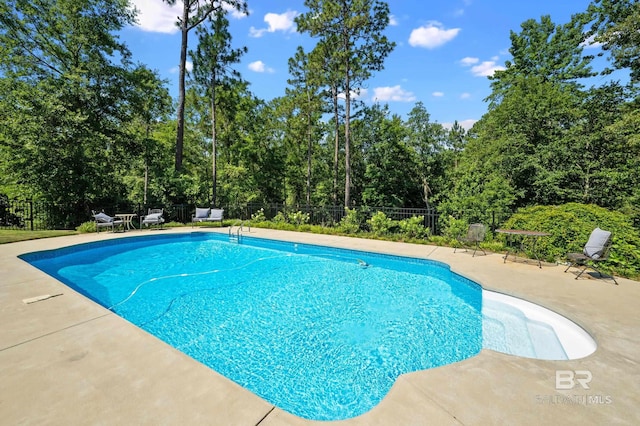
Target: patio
{"points": [[67, 360]]}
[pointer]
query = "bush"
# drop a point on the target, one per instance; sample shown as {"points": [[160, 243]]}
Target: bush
{"points": [[259, 216], [350, 223], [570, 226], [87, 227], [380, 224], [279, 218], [413, 227], [454, 228], [298, 218]]}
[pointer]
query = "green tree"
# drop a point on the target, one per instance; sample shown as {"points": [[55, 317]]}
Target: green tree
{"points": [[457, 140], [355, 28], [66, 81], [212, 62], [428, 140], [327, 70], [303, 93], [480, 186], [391, 172], [616, 24], [547, 51], [150, 105], [525, 141], [194, 12]]}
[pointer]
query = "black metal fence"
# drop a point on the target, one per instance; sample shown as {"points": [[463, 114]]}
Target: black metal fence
{"points": [[331, 215], [36, 215], [40, 215]]}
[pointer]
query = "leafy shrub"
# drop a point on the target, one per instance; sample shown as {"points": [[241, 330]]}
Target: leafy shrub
{"points": [[380, 224], [279, 218], [350, 223], [454, 228], [87, 227], [570, 226], [298, 218], [259, 216], [413, 227]]}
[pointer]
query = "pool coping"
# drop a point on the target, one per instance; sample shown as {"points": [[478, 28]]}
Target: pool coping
{"points": [[68, 360]]}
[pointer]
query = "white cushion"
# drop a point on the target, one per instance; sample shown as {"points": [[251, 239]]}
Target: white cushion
{"points": [[201, 213], [152, 217], [216, 214], [103, 218], [597, 241]]}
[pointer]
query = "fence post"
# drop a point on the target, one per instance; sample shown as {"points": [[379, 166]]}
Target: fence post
{"points": [[31, 213]]}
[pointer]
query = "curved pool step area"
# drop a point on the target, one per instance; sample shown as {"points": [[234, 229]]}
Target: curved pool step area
{"points": [[517, 327]]}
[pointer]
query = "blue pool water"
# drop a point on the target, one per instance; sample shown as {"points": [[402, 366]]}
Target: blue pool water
{"points": [[320, 332]]}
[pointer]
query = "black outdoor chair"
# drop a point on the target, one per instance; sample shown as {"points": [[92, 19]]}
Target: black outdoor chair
{"points": [[475, 235], [596, 250]]}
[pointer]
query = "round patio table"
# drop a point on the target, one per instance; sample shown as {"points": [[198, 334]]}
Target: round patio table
{"points": [[126, 219], [531, 235]]}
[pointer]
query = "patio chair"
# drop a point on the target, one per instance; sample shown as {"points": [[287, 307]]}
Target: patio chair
{"points": [[154, 217], [596, 250], [208, 215], [475, 235], [105, 221]]}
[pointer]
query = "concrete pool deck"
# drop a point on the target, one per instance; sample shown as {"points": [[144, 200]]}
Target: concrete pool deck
{"points": [[67, 360]]}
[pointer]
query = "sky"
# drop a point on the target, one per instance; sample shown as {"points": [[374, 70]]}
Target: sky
{"points": [[445, 49]]}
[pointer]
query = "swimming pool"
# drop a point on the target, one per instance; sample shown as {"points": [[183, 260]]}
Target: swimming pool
{"points": [[320, 332]]}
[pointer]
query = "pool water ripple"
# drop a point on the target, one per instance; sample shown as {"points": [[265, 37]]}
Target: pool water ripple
{"points": [[310, 330]]}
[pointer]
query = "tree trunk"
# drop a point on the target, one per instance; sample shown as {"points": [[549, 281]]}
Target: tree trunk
{"points": [[336, 148], [214, 169], [309, 152], [347, 150], [181, 86], [146, 181], [146, 165], [426, 192], [309, 148]]}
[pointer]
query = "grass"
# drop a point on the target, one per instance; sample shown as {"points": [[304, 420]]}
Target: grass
{"points": [[12, 236]]}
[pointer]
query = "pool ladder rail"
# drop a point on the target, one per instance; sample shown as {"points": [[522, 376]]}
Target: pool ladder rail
{"points": [[235, 236]]}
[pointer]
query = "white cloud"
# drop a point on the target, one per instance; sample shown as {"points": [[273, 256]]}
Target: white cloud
{"points": [[395, 93], [355, 94], [188, 65], [591, 43], [465, 124], [235, 13], [437, 94], [486, 69], [432, 35], [277, 22], [158, 17], [465, 95], [393, 21], [468, 61], [483, 69], [259, 66]]}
